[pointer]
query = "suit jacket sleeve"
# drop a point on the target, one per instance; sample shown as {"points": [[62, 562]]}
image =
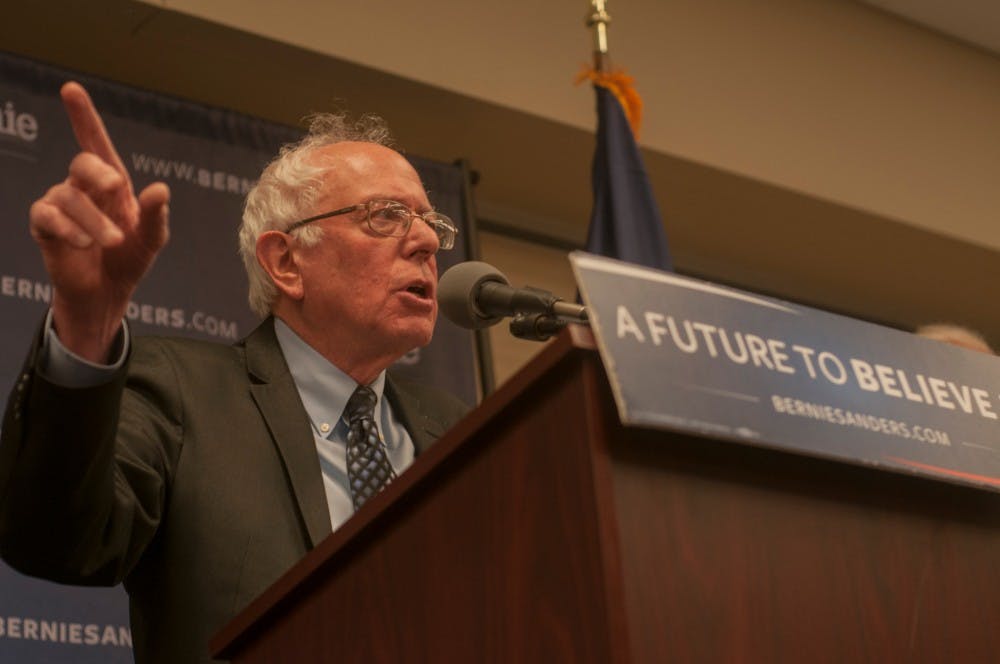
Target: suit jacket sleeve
{"points": [[75, 506]]}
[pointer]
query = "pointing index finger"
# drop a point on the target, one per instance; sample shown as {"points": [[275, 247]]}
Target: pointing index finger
{"points": [[88, 127]]}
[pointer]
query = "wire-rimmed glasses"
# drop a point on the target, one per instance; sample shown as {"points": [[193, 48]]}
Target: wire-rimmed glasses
{"points": [[393, 219]]}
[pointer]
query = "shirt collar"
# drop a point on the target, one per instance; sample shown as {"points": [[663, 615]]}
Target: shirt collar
{"points": [[323, 388]]}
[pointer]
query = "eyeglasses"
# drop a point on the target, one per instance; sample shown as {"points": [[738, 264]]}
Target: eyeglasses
{"points": [[393, 219]]}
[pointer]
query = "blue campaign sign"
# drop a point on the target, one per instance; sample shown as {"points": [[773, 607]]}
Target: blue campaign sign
{"points": [[693, 356]]}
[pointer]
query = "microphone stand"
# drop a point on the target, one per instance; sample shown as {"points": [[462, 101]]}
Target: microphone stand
{"points": [[536, 327], [541, 326]]}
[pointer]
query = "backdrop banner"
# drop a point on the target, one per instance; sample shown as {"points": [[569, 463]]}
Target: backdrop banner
{"points": [[197, 287]]}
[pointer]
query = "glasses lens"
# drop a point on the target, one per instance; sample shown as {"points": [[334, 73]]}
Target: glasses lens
{"points": [[444, 227], [389, 218], [393, 219]]}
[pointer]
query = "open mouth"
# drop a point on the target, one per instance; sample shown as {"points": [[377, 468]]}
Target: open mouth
{"points": [[418, 289]]}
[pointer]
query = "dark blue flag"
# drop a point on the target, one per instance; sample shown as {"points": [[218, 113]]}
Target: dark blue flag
{"points": [[625, 221]]}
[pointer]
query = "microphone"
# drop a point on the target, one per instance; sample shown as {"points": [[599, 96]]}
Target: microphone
{"points": [[476, 295]]}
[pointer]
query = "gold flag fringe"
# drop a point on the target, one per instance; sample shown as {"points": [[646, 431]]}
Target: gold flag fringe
{"points": [[622, 86]]}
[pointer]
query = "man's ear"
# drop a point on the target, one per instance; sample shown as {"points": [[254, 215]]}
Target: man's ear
{"points": [[275, 255]]}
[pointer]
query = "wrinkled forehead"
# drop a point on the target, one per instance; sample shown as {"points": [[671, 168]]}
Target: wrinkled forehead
{"points": [[356, 172]]}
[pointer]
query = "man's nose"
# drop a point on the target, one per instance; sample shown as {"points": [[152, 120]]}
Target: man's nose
{"points": [[423, 236]]}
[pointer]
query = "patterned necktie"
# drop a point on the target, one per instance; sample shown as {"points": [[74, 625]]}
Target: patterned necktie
{"points": [[368, 468]]}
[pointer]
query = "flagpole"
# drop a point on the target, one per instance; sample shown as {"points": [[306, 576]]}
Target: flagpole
{"points": [[598, 20], [625, 220]]}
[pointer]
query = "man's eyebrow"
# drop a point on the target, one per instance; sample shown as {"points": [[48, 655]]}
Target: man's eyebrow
{"points": [[400, 199]]}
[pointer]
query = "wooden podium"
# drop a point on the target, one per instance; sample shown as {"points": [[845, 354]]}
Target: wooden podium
{"points": [[541, 530]]}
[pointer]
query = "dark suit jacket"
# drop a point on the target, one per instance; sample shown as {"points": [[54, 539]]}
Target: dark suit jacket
{"points": [[192, 477]]}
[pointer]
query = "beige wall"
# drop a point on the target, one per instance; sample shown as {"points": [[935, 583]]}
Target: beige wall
{"points": [[830, 98]]}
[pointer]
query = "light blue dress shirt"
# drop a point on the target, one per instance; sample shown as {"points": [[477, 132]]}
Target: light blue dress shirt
{"points": [[324, 390]]}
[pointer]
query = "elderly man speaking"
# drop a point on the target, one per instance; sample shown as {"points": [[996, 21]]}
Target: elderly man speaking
{"points": [[197, 473]]}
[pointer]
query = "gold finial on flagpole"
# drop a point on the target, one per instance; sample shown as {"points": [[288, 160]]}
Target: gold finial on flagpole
{"points": [[602, 75], [598, 19]]}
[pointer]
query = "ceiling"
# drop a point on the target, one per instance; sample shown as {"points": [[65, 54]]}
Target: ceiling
{"points": [[976, 22]]}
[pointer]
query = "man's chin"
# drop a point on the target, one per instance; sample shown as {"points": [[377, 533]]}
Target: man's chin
{"points": [[413, 336]]}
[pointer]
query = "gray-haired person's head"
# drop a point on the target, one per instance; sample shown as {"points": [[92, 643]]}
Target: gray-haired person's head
{"points": [[955, 335], [289, 188]]}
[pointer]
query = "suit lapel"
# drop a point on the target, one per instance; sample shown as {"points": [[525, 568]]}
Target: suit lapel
{"points": [[274, 392], [406, 403]]}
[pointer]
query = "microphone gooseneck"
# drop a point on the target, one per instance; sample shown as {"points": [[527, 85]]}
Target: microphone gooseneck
{"points": [[474, 295]]}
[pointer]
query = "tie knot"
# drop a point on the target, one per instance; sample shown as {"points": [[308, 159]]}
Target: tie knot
{"points": [[361, 405]]}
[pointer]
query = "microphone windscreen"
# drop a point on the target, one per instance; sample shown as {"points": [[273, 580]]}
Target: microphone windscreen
{"points": [[457, 291]]}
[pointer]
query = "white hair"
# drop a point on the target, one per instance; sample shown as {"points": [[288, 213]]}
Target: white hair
{"points": [[955, 335], [289, 187]]}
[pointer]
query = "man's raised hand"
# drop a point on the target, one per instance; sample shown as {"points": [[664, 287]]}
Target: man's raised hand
{"points": [[97, 237]]}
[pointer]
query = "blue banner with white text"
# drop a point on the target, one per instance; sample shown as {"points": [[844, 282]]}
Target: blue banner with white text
{"points": [[693, 356]]}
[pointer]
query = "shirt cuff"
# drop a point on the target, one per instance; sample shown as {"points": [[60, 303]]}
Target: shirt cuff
{"points": [[63, 367]]}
